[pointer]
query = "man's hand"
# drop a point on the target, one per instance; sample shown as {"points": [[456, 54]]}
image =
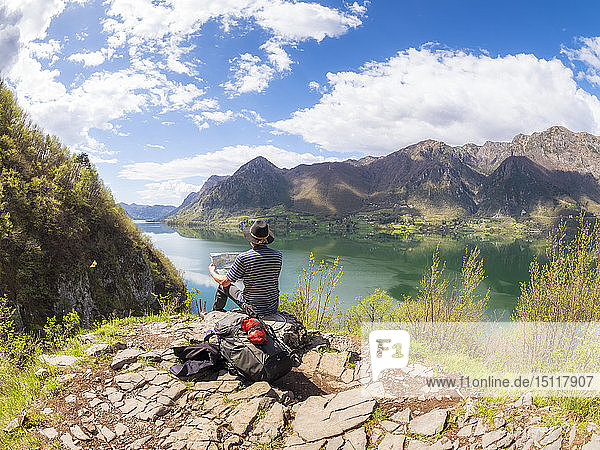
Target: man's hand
{"points": [[221, 279]]}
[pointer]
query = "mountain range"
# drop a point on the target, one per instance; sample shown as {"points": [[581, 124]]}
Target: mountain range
{"points": [[548, 172], [147, 212]]}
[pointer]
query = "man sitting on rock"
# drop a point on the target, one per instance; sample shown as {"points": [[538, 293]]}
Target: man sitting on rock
{"points": [[259, 268]]}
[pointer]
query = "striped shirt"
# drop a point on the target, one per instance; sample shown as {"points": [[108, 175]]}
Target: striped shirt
{"points": [[259, 268]]}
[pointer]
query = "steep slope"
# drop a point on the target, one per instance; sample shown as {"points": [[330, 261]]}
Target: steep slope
{"points": [[334, 189], [556, 148], [519, 185], [192, 197], [427, 174], [64, 242], [257, 184], [146, 212]]}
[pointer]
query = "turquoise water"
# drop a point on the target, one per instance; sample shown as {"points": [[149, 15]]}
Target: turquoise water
{"points": [[384, 262]]}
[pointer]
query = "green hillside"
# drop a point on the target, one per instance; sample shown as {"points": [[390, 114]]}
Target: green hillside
{"points": [[64, 242]]}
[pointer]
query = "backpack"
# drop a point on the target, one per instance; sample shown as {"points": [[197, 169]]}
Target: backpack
{"points": [[200, 362], [254, 362]]}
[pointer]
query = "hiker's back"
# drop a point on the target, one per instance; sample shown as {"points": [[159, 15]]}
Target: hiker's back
{"points": [[259, 268]]}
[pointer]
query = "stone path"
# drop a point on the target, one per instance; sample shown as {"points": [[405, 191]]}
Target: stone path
{"points": [[124, 398]]}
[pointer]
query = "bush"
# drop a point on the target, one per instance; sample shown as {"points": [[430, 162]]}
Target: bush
{"points": [[567, 287], [58, 333], [312, 299], [377, 307], [16, 348], [438, 301]]}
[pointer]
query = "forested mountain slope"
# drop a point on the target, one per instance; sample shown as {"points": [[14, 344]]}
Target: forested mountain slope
{"points": [[64, 242]]}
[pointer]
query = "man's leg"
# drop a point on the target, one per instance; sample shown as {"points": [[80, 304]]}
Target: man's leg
{"points": [[223, 293]]}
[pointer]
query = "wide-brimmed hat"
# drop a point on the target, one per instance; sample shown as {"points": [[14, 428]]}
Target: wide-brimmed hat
{"points": [[259, 233]]}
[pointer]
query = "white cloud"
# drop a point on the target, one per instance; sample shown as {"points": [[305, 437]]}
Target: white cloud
{"points": [[356, 8], [89, 58], [162, 28], [453, 96], [298, 21], [221, 162], [45, 50], [205, 118], [589, 54], [9, 38], [156, 146], [250, 74], [169, 192]]}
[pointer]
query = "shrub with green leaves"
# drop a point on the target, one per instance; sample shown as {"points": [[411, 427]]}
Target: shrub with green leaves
{"points": [[376, 307], [567, 287], [313, 300], [439, 300]]}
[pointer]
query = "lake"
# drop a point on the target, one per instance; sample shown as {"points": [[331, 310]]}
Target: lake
{"points": [[393, 264]]}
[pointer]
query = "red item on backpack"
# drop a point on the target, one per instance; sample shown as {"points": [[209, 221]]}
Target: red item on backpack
{"points": [[255, 330]]}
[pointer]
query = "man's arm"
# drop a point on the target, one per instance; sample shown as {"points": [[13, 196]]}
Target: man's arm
{"points": [[221, 279]]}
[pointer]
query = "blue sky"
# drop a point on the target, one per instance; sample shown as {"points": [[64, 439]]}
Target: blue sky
{"points": [[161, 94]]}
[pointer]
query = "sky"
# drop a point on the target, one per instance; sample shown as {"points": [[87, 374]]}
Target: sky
{"points": [[161, 94]]}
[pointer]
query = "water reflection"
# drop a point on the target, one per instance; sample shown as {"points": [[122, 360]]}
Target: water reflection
{"points": [[380, 261]]}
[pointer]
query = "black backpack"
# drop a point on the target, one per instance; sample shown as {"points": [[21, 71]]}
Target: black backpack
{"points": [[200, 362], [266, 362]]}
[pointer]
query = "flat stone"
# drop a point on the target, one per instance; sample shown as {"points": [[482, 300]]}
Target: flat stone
{"points": [[115, 397], [107, 434], [389, 426], [401, 416], [242, 417], [98, 349], [414, 444], [357, 439], [347, 375], [492, 437], [153, 412], [537, 433], [481, 428], [130, 381], [270, 426], [60, 360], [466, 431], [49, 433], [131, 404], [140, 443], [333, 364], [67, 441], [506, 441], [123, 357], [334, 443], [429, 423], [310, 362], [161, 378], [551, 437], [320, 418], [229, 386], [210, 386], [150, 392], [78, 433], [71, 398], [259, 389], [175, 391], [121, 429], [392, 442]]}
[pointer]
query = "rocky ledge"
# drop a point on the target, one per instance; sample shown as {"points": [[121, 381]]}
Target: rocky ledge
{"points": [[123, 397]]}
